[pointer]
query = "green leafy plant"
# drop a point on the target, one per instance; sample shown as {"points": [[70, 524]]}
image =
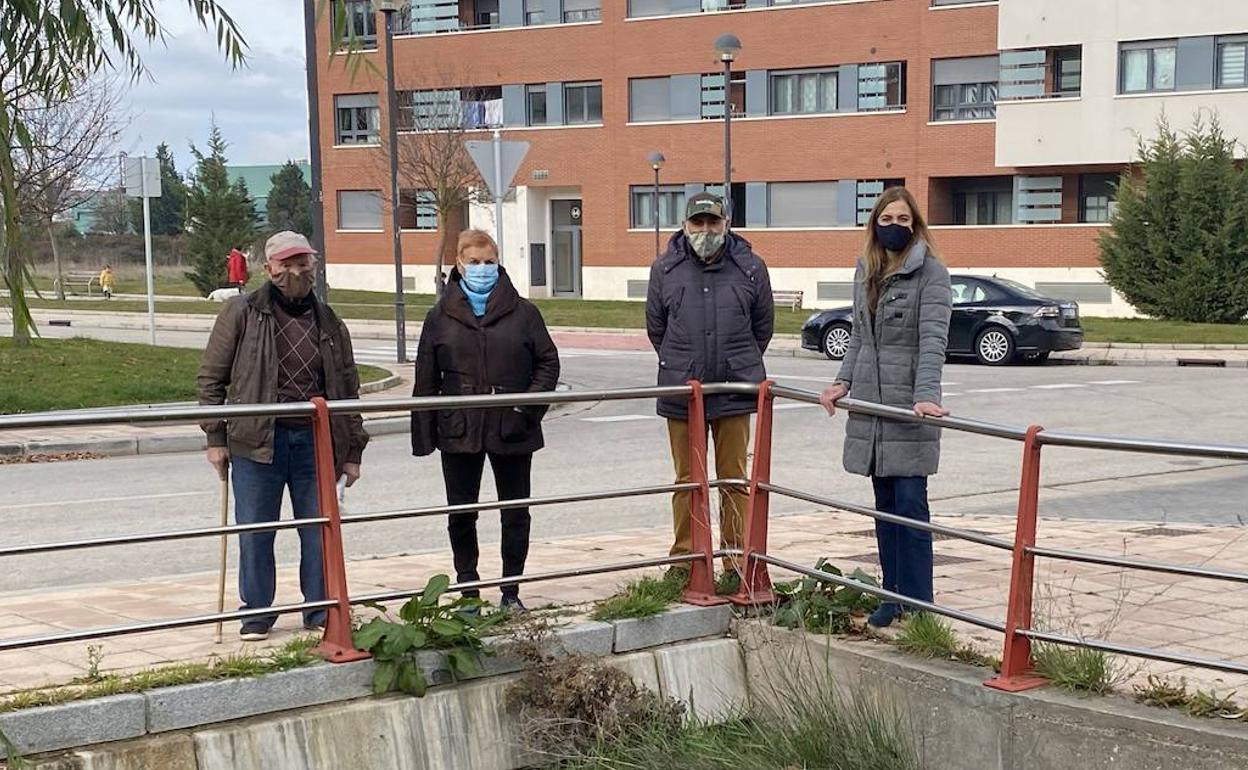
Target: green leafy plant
{"points": [[1076, 669], [425, 622], [643, 598], [824, 607]]}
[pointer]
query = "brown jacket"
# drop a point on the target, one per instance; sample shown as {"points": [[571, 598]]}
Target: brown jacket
{"points": [[508, 350], [239, 366]]}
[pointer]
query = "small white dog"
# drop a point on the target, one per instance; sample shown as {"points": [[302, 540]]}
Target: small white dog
{"points": [[221, 295]]}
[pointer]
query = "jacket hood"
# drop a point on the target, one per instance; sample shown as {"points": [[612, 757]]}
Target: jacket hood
{"points": [[736, 248]]}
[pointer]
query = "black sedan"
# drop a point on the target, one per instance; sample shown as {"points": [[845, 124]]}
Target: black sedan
{"points": [[994, 319]]}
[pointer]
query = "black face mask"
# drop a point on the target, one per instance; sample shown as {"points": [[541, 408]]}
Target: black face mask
{"points": [[894, 237]]}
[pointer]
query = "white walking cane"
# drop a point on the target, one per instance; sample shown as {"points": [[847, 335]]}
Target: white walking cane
{"points": [[225, 522]]}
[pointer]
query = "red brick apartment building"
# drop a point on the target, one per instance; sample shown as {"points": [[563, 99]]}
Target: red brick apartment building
{"points": [[1009, 120]]}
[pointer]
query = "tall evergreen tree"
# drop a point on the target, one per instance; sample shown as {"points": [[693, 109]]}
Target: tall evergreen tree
{"points": [[169, 210], [1178, 244], [290, 201], [221, 215]]}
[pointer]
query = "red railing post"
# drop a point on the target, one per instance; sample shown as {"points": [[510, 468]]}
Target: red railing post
{"points": [[337, 645], [1016, 673], [701, 588], [756, 580]]}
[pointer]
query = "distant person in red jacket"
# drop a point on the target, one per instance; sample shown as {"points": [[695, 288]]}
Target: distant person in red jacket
{"points": [[237, 265]]}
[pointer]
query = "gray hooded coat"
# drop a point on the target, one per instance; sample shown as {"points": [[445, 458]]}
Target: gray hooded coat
{"points": [[896, 359]]}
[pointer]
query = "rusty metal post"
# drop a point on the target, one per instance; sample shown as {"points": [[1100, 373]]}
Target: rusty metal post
{"points": [[337, 645], [756, 580], [1016, 672], [701, 588]]}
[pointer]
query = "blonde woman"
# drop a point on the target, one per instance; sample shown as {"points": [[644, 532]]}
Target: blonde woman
{"points": [[896, 354]]}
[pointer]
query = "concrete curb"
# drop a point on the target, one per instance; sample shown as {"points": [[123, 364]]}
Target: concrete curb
{"points": [[114, 718]]}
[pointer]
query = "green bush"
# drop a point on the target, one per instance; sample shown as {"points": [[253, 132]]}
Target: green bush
{"points": [[1179, 236]]}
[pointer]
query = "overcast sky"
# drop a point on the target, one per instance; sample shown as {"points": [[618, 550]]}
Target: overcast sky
{"points": [[260, 108]]}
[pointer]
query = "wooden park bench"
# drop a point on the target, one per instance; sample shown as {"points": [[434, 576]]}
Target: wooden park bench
{"points": [[81, 278], [787, 297]]}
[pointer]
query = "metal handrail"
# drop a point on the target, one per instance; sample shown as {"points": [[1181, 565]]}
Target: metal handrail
{"points": [[936, 529], [892, 596], [158, 625], [1150, 653], [1140, 564], [1143, 445], [157, 537]]}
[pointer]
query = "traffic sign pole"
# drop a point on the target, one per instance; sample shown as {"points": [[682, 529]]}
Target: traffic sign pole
{"points": [[147, 248]]}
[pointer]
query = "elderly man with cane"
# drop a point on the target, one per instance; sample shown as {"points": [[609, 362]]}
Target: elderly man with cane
{"points": [[279, 344]]}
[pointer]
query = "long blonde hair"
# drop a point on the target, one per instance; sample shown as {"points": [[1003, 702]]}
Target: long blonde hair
{"points": [[875, 256]]}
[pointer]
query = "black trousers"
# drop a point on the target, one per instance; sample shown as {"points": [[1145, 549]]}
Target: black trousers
{"points": [[512, 480]]}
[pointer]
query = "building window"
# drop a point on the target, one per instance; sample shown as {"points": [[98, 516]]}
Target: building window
{"points": [[534, 13], [983, 201], [802, 204], [581, 10], [359, 210], [649, 99], [1144, 67], [970, 101], [803, 93], [1068, 70], [965, 89], [671, 206], [1233, 62], [359, 119], [1097, 196], [536, 105], [468, 109], [417, 210], [881, 86], [361, 22], [582, 103]]}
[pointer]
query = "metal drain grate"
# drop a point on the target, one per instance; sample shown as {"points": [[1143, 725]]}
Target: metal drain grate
{"points": [[940, 559], [1164, 532], [936, 536]]}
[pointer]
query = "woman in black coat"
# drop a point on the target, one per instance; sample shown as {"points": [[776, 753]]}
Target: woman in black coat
{"points": [[482, 337]]}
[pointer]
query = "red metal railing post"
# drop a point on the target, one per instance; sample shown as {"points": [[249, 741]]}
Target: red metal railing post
{"points": [[1016, 672], [337, 645], [701, 588], [756, 580]]}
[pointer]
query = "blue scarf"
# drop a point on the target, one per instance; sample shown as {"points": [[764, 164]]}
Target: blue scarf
{"points": [[476, 299]]}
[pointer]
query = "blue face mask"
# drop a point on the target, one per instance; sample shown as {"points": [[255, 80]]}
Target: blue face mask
{"points": [[481, 278]]}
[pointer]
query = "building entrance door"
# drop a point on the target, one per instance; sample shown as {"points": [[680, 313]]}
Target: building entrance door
{"points": [[566, 255]]}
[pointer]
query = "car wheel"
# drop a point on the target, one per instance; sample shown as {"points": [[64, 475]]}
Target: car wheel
{"points": [[836, 341], [994, 346]]}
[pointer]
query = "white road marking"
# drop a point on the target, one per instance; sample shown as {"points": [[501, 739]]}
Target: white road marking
{"points": [[1114, 382], [621, 418], [994, 390], [96, 500], [951, 394], [1059, 386]]}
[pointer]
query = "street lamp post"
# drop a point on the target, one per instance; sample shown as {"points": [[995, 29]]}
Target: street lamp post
{"points": [[728, 46], [656, 162], [388, 9]]}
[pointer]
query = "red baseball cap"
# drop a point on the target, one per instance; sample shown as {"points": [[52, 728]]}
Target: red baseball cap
{"points": [[285, 245]]}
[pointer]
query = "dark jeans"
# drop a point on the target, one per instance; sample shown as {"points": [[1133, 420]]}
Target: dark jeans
{"points": [[258, 491], [905, 552], [462, 474]]}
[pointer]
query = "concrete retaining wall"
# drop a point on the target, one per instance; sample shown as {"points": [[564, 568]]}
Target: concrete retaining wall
{"points": [[956, 723]]}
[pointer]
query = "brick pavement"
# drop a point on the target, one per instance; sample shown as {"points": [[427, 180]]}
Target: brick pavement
{"points": [[1197, 616]]}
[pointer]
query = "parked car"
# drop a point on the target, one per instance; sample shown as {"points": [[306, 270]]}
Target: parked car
{"points": [[994, 319]]}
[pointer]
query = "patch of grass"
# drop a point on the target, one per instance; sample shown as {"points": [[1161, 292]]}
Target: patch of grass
{"points": [[931, 636], [1076, 669], [643, 598], [1151, 330], [371, 373], [80, 373], [1164, 692], [294, 654]]}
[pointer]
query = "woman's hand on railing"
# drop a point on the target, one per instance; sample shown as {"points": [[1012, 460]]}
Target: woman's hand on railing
{"points": [[831, 394], [928, 409]]}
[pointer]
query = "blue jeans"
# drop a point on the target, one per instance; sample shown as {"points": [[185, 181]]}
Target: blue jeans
{"points": [[258, 491], [905, 552]]}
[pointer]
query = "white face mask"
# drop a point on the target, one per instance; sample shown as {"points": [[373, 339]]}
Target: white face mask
{"points": [[706, 244]]}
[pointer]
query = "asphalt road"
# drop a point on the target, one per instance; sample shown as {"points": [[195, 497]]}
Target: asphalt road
{"points": [[622, 444]]}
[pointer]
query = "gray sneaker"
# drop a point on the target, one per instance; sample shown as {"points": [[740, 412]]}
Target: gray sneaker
{"points": [[254, 632]]}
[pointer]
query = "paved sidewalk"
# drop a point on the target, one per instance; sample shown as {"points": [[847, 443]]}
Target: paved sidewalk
{"points": [[1200, 617]]}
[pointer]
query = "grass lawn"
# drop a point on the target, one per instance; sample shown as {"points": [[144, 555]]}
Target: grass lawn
{"points": [[79, 373], [1149, 330]]}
